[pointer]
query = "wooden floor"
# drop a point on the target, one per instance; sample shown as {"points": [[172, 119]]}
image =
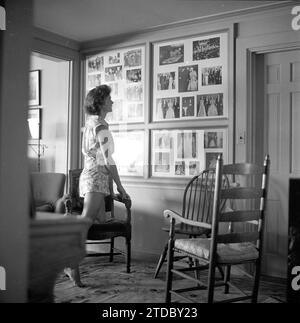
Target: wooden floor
{"points": [[109, 283]]}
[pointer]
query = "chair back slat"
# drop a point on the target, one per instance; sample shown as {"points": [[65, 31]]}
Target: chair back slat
{"points": [[243, 169], [248, 213], [238, 237], [240, 216], [241, 193], [198, 197]]}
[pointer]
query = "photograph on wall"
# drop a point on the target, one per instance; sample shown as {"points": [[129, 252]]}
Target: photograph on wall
{"points": [[194, 168], [171, 54], [187, 145], [124, 71], [207, 48], [163, 140], [134, 75], [188, 107], [211, 159], [114, 58], [95, 64], [180, 168], [188, 78], [212, 75], [194, 69], [94, 80], [133, 58], [213, 139], [129, 152], [210, 105], [166, 81], [162, 162], [168, 108], [186, 152]]}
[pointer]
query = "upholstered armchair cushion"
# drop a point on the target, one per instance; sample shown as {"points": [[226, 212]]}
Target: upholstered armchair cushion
{"points": [[48, 190]]}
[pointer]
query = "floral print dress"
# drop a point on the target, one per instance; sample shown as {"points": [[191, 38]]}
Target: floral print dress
{"points": [[95, 175]]}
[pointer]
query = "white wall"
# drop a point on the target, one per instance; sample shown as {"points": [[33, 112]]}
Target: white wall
{"points": [[54, 106]]}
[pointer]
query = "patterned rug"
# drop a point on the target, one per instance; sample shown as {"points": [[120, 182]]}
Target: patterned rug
{"points": [[109, 283]]}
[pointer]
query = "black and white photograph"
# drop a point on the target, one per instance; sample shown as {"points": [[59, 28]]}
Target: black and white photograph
{"points": [[95, 64], [188, 107], [210, 105], [117, 114], [133, 58], [135, 111], [166, 81], [187, 145], [114, 59], [94, 80], [188, 78], [207, 48], [171, 54], [168, 108], [134, 93], [211, 75], [134, 75], [194, 168], [113, 74], [162, 162], [162, 140], [211, 159], [213, 139], [130, 130], [180, 168]]}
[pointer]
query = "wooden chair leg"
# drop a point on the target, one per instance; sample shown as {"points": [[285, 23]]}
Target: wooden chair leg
{"points": [[161, 260], [111, 253], [169, 271], [227, 278], [211, 283], [128, 256], [256, 282]]}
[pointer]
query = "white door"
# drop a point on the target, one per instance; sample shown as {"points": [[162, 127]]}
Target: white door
{"points": [[282, 142]]}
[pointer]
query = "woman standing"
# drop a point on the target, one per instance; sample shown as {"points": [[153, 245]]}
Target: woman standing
{"points": [[99, 166]]}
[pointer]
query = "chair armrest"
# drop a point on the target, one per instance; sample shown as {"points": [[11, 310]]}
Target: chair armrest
{"points": [[178, 218], [60, 204], [127, 202]]}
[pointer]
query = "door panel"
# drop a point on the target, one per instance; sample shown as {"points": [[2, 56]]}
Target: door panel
{"points": [[282, 136]]}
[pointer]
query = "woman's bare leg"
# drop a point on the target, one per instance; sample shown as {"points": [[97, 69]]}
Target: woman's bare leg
{"points": [[94, 204]]}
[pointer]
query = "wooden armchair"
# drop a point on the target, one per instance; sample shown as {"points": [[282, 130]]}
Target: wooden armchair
{"points": [[227, 248], [109, 230]]}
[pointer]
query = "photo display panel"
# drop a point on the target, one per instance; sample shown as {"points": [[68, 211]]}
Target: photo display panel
{"points": [[185, 153], [190, 78], [124, 71], [129, 152]]}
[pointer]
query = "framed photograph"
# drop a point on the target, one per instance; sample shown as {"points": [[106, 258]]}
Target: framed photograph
{"points": [[194, 71], [34, 123], [129, 152], [124, 71], [185, 153], [34, 88]]}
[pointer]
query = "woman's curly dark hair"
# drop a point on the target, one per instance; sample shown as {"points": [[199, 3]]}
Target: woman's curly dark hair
{"points": [[95, 99]]}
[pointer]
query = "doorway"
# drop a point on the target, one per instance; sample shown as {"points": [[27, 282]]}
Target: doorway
{"points": [[48, 147], [276, 119]]}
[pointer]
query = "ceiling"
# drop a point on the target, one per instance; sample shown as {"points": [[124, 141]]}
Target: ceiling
{"points": [[85, 20]]}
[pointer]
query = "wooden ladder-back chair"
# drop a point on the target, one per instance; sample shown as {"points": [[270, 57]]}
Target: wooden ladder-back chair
{"points": [[103, 233], [196, 207], [225, 248]]}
